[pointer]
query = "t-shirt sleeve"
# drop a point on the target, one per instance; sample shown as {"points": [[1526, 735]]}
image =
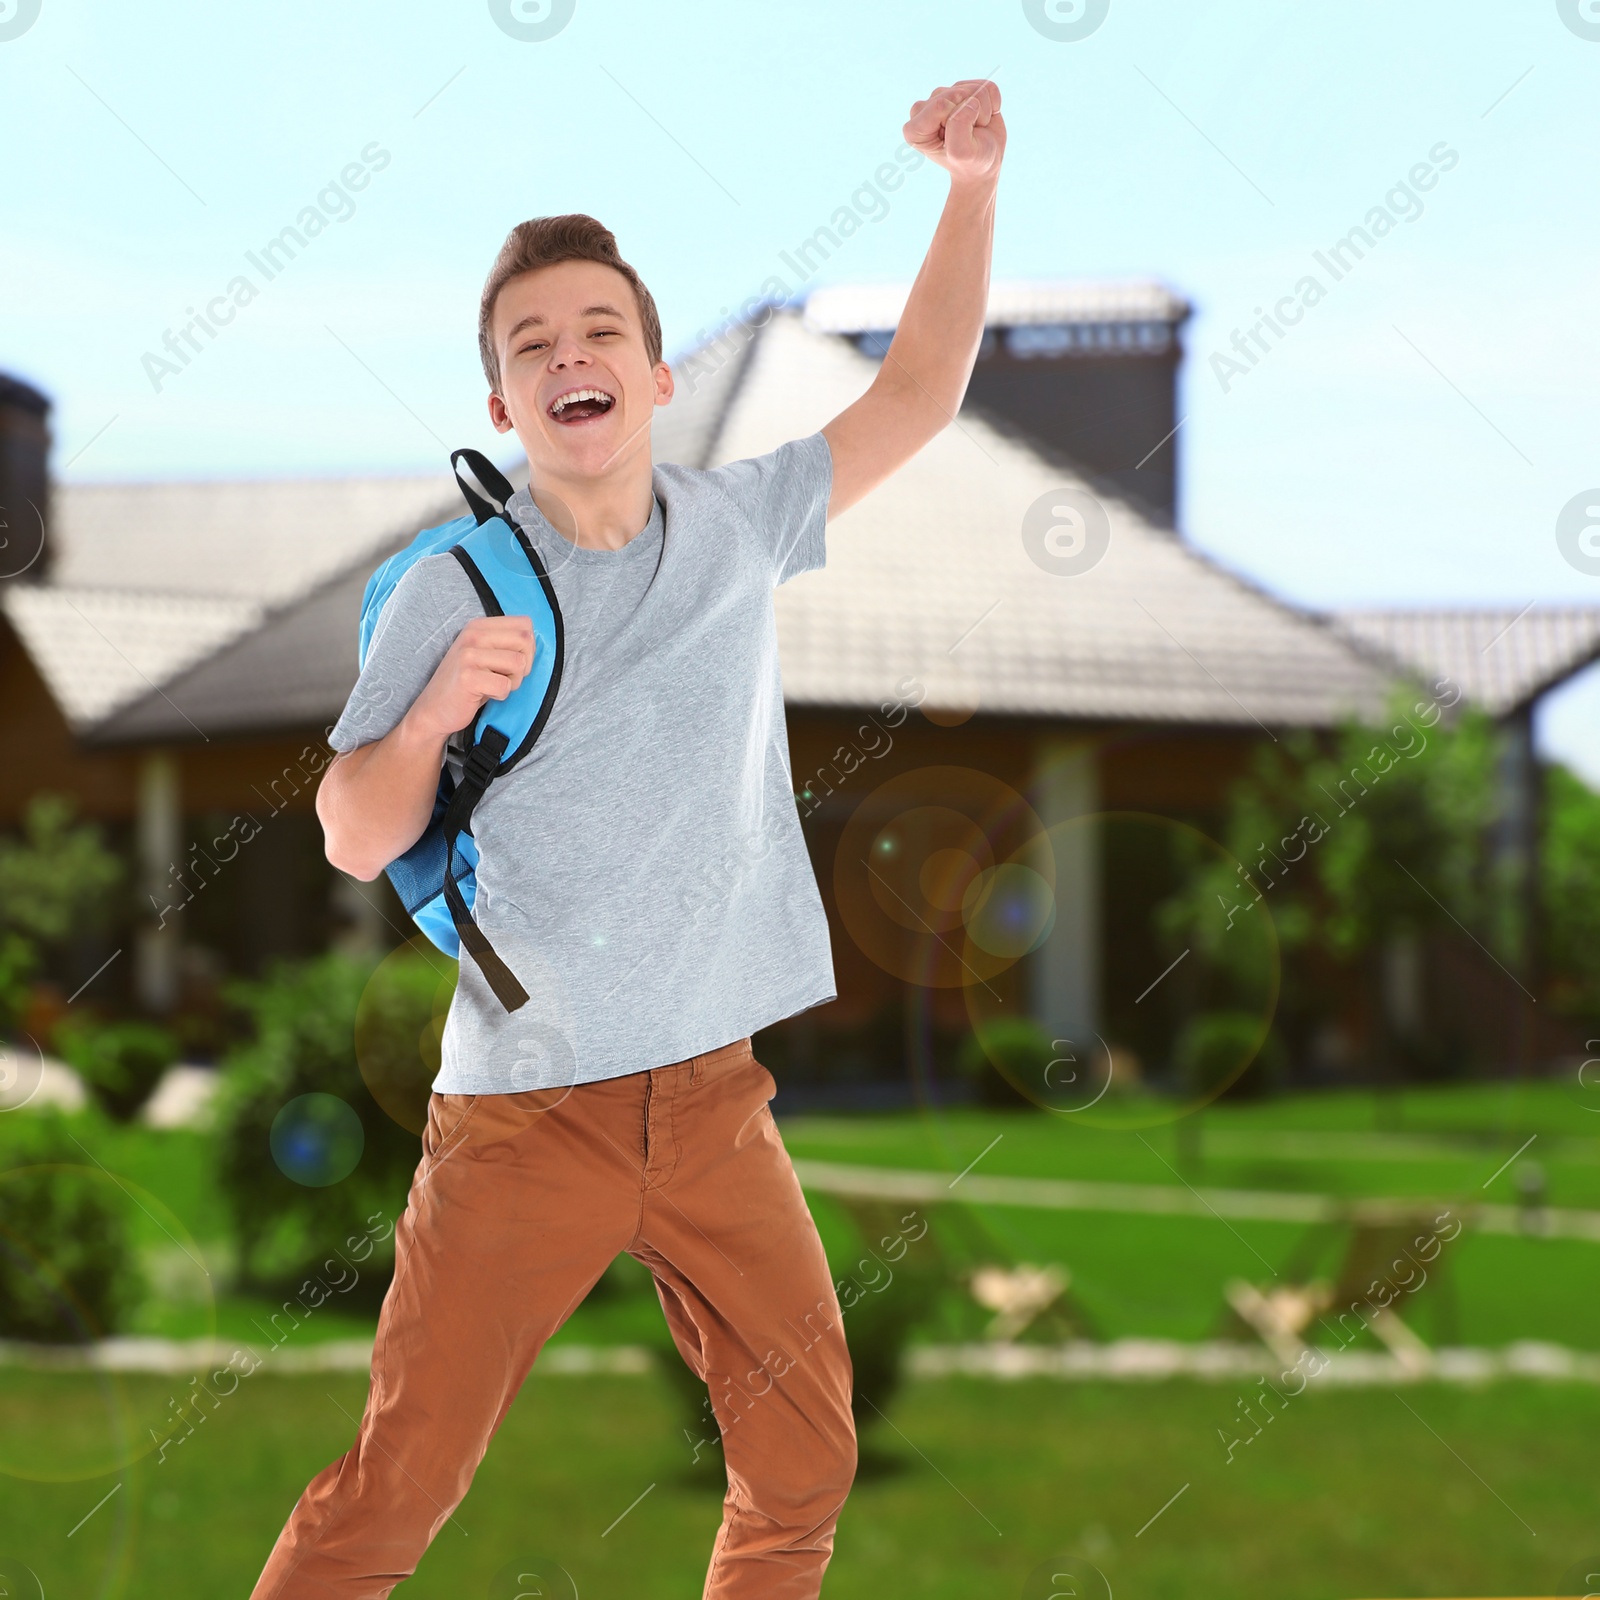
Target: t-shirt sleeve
{"points": [[430, 605], [784, 497]]}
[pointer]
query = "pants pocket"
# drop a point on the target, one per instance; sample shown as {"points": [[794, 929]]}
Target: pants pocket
{"points": [[448, 1116], [769, 1084]]}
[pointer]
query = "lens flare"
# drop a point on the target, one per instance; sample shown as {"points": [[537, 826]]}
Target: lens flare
{"points": [[918, 864], [317, 1140], [400, 1026], [1149, 990]]}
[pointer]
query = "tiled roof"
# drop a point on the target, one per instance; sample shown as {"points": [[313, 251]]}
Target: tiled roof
{"points": [[928, 577], [250, 593], [149, 583], [295, 670], [1501, 658], [99, 649], [267, 542]]}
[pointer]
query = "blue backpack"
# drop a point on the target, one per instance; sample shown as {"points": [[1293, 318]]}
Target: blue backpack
{"points": [[436, 878]]}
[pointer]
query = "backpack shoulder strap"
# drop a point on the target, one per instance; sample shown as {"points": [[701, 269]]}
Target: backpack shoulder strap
{"points": [[491, 479], [475, 778], [510, 579], [505, 571]]}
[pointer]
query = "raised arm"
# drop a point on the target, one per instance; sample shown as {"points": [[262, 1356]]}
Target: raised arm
{"points": [[919, 387]]}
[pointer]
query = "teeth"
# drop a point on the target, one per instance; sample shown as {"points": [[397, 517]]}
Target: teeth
{"points": [[577, 394]]}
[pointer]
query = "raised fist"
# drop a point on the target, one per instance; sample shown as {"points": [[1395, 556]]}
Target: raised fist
{"points": [[961, 128]]}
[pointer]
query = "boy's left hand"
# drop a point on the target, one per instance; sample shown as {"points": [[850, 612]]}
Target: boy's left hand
{"points": [[961, 128]]}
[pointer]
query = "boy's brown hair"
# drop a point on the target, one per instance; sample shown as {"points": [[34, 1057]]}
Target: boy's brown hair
{"points": [[542, 242]]}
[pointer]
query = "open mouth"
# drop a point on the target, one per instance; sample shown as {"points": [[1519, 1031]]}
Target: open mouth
{"points": [[580, 405]]}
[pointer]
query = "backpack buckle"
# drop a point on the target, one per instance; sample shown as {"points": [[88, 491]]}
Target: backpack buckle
{"points": [[481, 761]]}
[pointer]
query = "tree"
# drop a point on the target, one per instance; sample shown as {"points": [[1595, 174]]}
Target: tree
{"points": [[53, 878], [1361, 844], [1569, 870]]}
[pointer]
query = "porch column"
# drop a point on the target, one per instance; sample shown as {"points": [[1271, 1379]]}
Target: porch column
{"points": [[359, 908], [1064, 972], [159, 839]]}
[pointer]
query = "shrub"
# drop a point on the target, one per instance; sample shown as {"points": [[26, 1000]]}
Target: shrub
{"points": [[878, 1329], [304, 1016], [68, 1268], [121, 1062], [18, 962], [1018, 1045], [1223, 1052], [57, 873]]}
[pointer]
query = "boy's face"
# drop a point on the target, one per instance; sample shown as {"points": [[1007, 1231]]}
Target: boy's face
{"points": [[567, 331]]}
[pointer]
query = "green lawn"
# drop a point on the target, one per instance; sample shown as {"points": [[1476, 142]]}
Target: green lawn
{"points": [[1344, 1495], [1447, 1141], [1135, 1275], [1162, 1276]]}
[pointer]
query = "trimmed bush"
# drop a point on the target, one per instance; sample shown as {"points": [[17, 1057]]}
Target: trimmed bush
{"points": [[120, 1062], [1020, 1046], [68, 1268], [1216, 1053], [304, 1015]]}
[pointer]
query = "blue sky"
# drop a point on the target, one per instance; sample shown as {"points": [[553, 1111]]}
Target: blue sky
{"points": [[1412, 440]]}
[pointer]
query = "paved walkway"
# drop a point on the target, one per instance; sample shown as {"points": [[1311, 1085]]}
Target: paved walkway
{"points": [[1177, 1200], [1121, 1361]]}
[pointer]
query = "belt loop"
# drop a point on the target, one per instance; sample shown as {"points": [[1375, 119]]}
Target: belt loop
{"points": [[696, 1069]]}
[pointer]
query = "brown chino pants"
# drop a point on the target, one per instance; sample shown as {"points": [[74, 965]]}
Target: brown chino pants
{"points": [[519, 1204]]}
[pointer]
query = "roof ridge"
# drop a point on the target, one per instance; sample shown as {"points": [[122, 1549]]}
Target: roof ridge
{"points": [[269, 613], [123, 485], [1536, 608], [201, 597]]}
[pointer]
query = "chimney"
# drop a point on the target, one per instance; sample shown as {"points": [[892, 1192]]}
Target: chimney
{"points": [[24, 479], [1088, 370]]}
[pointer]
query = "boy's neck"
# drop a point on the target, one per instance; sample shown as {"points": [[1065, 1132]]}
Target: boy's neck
{"points": [[597, 514]]}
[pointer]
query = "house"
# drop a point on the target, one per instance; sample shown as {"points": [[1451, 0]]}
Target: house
{"points": [[1010, 635]]}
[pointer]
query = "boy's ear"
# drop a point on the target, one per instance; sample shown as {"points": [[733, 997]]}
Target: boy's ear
{"points": [[664, 387], [498, 415]]}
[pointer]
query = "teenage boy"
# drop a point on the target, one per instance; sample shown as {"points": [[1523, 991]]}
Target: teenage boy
{"points": [[643, 873]]}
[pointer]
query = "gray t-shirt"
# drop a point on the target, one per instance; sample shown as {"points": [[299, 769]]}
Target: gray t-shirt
{"points": [[642, 869]]}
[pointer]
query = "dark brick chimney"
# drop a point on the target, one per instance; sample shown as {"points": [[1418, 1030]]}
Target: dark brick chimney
{"points": [[24, 479], [1088, 370]]}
